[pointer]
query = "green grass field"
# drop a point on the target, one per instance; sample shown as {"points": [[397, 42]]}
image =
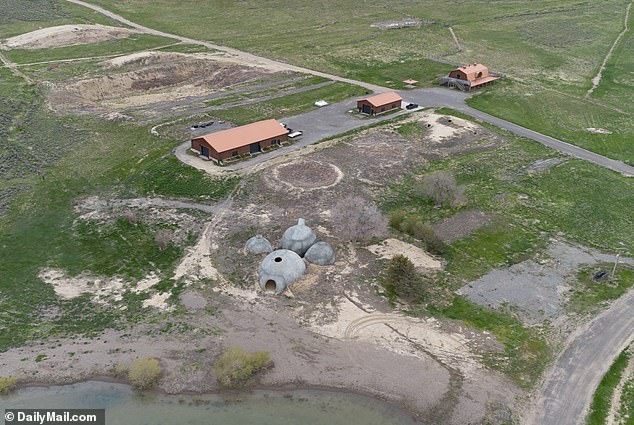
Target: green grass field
{"points": [[19, 16], [290, 105], [555, 202], [38, 229], [550, 68], [134, 43], [601, 401]]}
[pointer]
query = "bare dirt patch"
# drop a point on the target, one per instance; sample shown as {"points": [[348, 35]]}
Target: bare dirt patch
{"points": [[306, 175], [537, 288], [595, 130], [397, 23], [447, 136], [104, 290], [66, 35], [460, 225], [150, 84], [542, 165], [389, 248]]}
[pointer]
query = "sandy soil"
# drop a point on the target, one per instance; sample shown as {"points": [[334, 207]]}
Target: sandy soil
{"points": [[151, 82], [332, 330], [389, 248], [104, 290], [595, 130], [66, 35]]}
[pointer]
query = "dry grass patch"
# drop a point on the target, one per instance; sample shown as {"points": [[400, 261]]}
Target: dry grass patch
{"points": [[144, 373], [236, 367]]}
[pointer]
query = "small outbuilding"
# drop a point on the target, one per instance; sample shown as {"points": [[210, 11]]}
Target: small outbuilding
{"points": [[258, 245], [469, 77], [380, 103], [321, 254], [234, 142], [299, 238], [280, 269]]}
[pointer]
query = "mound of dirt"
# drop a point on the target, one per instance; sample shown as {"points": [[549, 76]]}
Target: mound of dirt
{"points": [[171, 78], [307, 175], [142, 59], [66, 35]]}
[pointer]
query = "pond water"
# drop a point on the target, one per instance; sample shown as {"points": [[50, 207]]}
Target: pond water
{"points": [[126, 407]]}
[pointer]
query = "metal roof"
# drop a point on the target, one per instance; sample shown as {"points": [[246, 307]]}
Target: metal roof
{"points": [[233, 138], [383, 99]]}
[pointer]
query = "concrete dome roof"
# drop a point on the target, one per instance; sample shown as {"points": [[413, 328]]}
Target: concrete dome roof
{"points": [[280, 268], [299, 238], [258, 245], [321, 254]]}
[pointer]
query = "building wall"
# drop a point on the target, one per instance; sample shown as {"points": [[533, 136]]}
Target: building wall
{"points": [[378, 109], [242, 150], [460, 75]]}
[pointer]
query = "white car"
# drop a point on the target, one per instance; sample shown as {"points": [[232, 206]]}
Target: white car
{"points": [[295, 134], [321, 103]]}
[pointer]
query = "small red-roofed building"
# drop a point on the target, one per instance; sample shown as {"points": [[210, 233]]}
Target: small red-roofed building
{"points": [[380, 103], [234, 142], [469, 77]]}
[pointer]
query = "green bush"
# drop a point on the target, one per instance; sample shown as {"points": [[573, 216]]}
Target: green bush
{"points": [[236, 367], [144, 373], [401, 279], [7, 384], [423, 232], [396, 219]]}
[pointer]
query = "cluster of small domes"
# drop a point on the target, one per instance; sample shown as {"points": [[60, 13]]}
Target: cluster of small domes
{"points": [[280, 268]]}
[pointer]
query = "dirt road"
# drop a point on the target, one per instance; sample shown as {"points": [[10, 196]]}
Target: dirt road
{"points": [[570, 383], [423, 97], [626, 27], [248, 58]]}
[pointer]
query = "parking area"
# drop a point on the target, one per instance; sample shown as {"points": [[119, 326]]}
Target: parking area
{"points": [[330, 121]]}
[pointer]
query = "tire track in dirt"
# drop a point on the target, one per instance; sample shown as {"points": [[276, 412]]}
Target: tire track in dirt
{"points": [[14, 68]]}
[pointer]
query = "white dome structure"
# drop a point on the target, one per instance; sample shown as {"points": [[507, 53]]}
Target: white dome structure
{"points": [[258, 245], [280, 269], [298, 238], [321, 254]]}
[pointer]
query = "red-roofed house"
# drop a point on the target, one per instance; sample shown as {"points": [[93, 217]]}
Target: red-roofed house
{"points": [[470, 76], [246, 139], [379, 103]]}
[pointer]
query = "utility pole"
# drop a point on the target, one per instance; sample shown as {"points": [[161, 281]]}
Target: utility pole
{"points": [[616, 262]]}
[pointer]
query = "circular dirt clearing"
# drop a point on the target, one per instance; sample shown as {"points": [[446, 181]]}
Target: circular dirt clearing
{"points": [[308, 175]]}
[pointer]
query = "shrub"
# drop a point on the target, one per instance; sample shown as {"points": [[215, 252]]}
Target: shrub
{"points": [[7, 384], [163, 238], [396, 219], [401, 279], [144, 373], [442, 188], [119, 370], [236, 367], [425, 233], [355, 219], [130, 216]]}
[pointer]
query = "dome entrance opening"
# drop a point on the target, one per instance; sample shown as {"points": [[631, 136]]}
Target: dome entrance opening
{"points": [[278, 259], [270, 286]]}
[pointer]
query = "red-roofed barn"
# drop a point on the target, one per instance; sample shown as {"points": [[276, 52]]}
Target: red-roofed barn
{"points": [[246, 139], [470, 76], [380, 103]]}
